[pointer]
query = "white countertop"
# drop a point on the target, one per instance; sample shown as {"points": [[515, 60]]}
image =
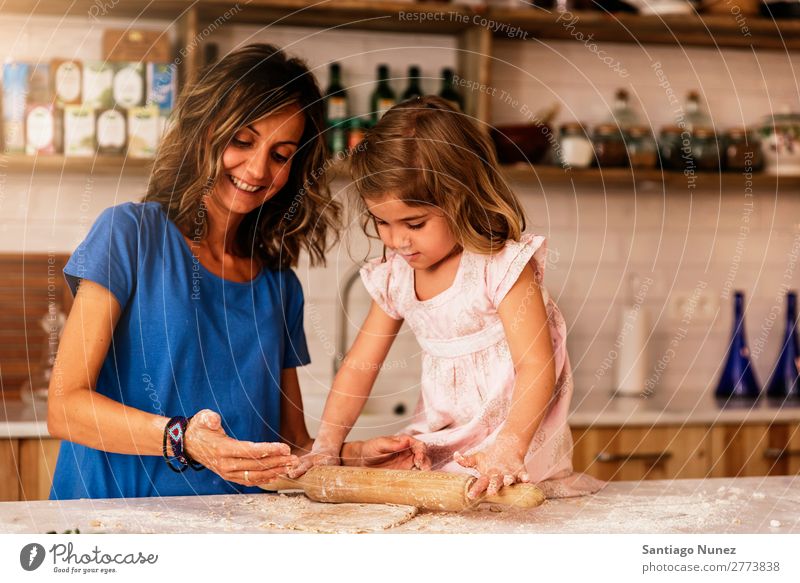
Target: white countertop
{"points": [[719, 505], [594, 409], [19, 420]]}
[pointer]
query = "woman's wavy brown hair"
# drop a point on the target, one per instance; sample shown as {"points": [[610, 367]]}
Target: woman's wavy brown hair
{"points": [[244, 87], [425, 152]]}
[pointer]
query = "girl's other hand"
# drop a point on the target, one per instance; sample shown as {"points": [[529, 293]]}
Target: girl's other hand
{"points": [[500, 464], [399, 452], [243, 462]]}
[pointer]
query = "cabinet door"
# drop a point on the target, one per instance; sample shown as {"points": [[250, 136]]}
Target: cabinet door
{"points": [[37, 464], [756, 449], [641, 453], [9, 470]]}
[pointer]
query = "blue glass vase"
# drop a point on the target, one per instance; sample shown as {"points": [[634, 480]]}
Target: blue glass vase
{"points": [[738, 380], [785, 381]]}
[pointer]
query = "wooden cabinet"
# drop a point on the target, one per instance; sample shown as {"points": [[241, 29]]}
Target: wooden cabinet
{"points": [[755, 449], [655, 453], [641, 453], [26, 468]]}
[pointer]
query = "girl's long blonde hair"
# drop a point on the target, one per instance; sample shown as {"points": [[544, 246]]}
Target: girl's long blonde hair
{"points": [[244, 87], [425, 152]]}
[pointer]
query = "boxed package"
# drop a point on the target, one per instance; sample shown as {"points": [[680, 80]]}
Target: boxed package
{"points": [[41, 128], [15, 95], [79, 131], [98, 79], [111, 131], [129, 85], [143, 131], [67, 82], [120, 44], [161, 86]]}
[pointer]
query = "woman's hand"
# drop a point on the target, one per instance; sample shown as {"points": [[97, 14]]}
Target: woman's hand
{"points": [[243, 462], [500, 464], [399, 452]]}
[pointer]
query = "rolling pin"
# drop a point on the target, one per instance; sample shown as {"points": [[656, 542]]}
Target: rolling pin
{"points": [[425, 490]]}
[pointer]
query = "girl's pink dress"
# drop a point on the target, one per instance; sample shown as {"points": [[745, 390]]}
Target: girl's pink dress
{"points": [[467, 370]]}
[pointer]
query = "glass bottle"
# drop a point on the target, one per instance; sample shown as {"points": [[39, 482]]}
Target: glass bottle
{"points": [[609, 146], [622, 115], [738, 379], [705, 150], [449, 92], [413, 89], [670, 148], [642, 148], [576, 149], [336, 111], [695, 116], [383, 98], [742, 151], [35, 389], [785, 381]]}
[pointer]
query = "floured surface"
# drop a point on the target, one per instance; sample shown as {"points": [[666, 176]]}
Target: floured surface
{"points": [[296, 512], [721, 505]]}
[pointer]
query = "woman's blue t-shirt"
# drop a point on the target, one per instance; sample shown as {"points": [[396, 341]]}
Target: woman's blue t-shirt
{"points": [[186, 340]]}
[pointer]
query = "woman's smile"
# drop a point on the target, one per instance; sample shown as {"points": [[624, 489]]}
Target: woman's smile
{"points": [[245, 186]]}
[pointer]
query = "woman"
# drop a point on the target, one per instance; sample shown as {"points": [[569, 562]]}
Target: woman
{"points": [[187, 325]]}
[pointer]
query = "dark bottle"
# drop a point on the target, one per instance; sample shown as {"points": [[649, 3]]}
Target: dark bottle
{"points": [[383, 98], [738, 380], [413, 89], [785, 381], [449, 92], [335, 97]]}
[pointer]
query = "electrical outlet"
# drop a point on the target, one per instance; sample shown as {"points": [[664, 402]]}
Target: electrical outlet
{"points": [[696, 306]]}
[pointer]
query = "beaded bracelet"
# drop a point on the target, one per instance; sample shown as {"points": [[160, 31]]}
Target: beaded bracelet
{"points": [[175, 430]]}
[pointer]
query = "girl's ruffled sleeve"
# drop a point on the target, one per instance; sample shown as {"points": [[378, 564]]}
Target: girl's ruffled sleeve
{"points": [[377, 277], [505, 267]]}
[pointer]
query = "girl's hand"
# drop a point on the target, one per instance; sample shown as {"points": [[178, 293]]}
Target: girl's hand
{"points": [[322, 454], [243, 462], [399, 452], [500, 464]]}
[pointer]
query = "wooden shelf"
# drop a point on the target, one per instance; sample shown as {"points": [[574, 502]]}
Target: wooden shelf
{"points": [[648, 178], [686, 30], [98, 165], [683, 30]]}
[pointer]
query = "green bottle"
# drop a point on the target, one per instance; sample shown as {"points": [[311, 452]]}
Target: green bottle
{"points": [[336, 111], [449, 92], [414, 89], [335, 97], [383, 98]]}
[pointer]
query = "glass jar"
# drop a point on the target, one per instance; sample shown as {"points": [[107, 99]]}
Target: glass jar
{"points": [[669, 146], [742, 151], [642, 148], [609, 146], [576, 149], [705, 150]]}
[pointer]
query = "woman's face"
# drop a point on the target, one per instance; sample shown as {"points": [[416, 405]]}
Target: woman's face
{"points": [[257, 162]]}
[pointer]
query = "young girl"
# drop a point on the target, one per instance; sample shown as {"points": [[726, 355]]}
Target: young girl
{"points": [[496, 380]]}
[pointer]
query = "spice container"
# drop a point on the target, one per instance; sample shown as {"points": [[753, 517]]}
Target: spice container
{"points": [[642, 148], [705, 150], [576, 149], [742, 151], [670, 146], [609, 146], [781, 144]]}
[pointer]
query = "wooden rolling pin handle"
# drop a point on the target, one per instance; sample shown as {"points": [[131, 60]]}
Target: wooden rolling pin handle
{"points": [[520, 495]]}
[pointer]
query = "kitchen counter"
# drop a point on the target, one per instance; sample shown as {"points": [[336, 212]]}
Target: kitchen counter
{"points": [[594, 409], [720, 505], [601, 409], [19, 420]]}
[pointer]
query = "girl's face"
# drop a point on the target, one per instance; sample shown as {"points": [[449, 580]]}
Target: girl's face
{"points": [[257, 161], [419, 233]]}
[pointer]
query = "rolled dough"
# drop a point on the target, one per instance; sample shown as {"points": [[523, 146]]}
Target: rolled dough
{"points": [[294, 511]]}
